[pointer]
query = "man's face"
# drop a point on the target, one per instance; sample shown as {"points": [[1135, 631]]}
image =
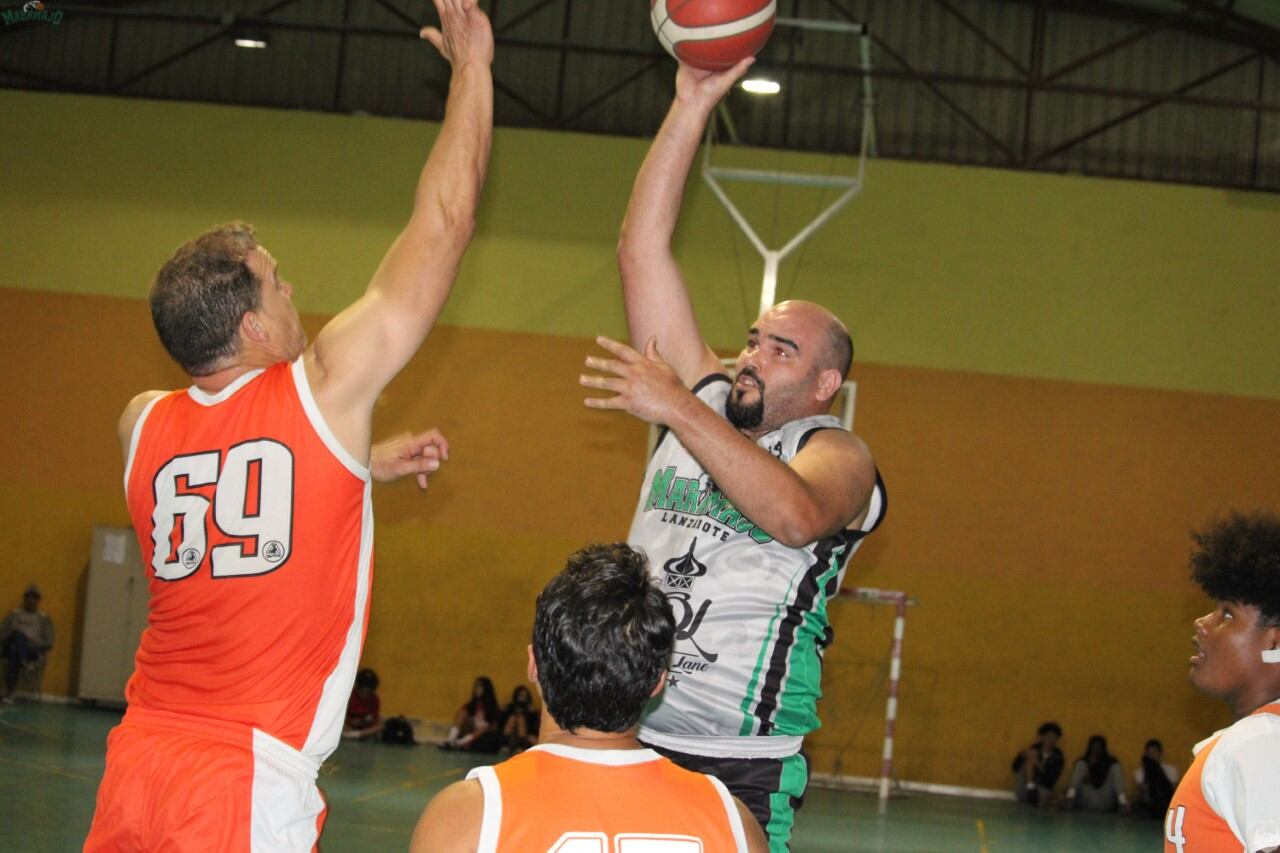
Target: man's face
{"points": [[1154, 753], [1229, 641], [1049, 739], [776, 374], [30, 603], [276, 310]]}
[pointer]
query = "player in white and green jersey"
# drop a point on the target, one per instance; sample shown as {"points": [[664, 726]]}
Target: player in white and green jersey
{"points": [[754, 499]]}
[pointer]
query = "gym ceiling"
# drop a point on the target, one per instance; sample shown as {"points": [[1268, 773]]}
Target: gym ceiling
{"points": [[1185, 91]]}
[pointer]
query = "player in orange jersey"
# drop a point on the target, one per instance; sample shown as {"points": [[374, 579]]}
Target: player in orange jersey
{"points": [[250, 495], [1229, 801], [602, 638]]}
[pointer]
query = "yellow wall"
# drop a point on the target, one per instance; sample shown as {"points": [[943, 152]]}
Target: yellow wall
{"points": [[1058, 377]]}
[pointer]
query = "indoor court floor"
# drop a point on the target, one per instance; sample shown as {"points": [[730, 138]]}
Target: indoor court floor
{"points": [[51, 758]]}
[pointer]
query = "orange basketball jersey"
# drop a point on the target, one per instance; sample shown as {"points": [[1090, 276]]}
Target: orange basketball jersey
{"points": [[1192, 825], [256, 530], [571, 800]]}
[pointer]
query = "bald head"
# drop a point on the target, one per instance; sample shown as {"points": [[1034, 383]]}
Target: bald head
{"points": [[837, 352]]}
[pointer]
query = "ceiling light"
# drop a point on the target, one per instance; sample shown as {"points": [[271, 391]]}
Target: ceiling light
{"points": [[760, 85], [252, 38]]}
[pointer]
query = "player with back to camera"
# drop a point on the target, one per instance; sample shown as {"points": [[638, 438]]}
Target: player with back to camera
{"points": [[250, 494], [1229, 800], [754, 498], [602, 637]]}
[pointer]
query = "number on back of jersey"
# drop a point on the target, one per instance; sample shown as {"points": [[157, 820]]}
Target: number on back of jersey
{"points": [[252, 503]]}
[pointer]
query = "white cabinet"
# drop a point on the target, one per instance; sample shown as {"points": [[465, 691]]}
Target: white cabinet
{"points": [[114, 615]]}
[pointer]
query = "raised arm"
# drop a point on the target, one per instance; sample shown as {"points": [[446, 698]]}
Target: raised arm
{"points": [[365, 346], [656, 299]]}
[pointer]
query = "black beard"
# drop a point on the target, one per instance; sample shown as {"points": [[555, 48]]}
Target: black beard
{"points": [[744, 416]]}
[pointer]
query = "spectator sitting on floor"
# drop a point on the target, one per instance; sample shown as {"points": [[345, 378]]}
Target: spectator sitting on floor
{"points": [[520, 721], [1156, 780], [477, 725], [1038, 766], [364, 708], [1097, 780], [26, 635]]}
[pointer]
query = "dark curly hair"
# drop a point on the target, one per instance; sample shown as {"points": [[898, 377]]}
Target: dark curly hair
{"points": [[1238, 559], [602, 637], [201, 293]]}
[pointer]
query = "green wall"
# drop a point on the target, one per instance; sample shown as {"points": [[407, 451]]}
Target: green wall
{"points": [[934, 266]]}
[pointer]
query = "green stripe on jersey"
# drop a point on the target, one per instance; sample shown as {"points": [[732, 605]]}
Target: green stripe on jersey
{"points": [[748, 722], [796, 713]]}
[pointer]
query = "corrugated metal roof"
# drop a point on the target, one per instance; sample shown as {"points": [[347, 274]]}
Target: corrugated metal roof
{"points": [[1149, 89]]}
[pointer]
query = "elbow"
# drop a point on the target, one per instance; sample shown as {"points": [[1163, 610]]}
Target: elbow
{"points": [[640, 240], [445, 218], [464, 229], [447, 232], [805, 523], [637, 253], [627, 251], [457, 223], [799, 530]]}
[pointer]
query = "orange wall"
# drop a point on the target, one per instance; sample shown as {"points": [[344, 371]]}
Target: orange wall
{"points": [[1042, 524]]}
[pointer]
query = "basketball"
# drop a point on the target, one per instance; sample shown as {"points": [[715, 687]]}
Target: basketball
{"points": [[712, 34]]}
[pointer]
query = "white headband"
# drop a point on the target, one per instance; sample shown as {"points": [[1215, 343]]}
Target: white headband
{"points": [[1271, 656]]}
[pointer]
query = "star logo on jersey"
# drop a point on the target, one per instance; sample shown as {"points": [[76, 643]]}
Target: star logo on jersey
{"points": [[191, 558], [273, 552], [681, 572]]}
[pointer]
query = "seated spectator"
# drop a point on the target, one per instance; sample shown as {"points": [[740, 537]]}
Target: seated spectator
{"points": [[364, 709], [1155, 779], [1097, 780], [520, 721], [477, 725], [1038, 766], [26, 635]]}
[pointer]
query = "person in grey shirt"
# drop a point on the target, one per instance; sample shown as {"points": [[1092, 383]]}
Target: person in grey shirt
{"points": [[26, 634], [1097, 780]]}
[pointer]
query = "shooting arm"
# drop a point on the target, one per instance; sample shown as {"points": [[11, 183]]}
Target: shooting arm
{"points": [[653, 290]]}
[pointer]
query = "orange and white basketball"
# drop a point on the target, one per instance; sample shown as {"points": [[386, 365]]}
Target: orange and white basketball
{"points": [[712, 34]]}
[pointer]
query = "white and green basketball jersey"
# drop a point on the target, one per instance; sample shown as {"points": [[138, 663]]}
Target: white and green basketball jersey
{"points": [[751, 613]]}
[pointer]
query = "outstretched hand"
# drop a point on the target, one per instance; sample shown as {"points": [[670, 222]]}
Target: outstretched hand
{"points": [[464, 35], [644, 384], [706, 88], [420, 454]]}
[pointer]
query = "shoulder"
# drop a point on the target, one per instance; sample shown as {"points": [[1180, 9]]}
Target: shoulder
{"points": [[832, 452], [837, 440], [451, 821], [1247, 751], [1256, 732], [133, 411]]}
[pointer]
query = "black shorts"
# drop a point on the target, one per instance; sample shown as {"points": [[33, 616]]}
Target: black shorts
{"points": [[772, 788]]}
